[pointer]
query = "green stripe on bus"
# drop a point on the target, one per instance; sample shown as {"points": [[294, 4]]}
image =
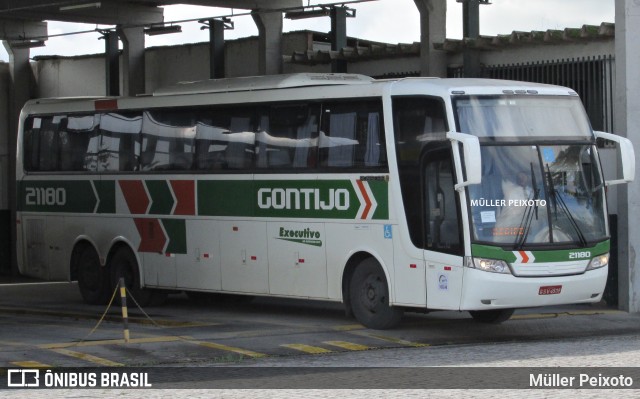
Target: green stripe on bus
{"points": [[177, 234], [330, 199], [161, 198], [314, 199], [57, 196], [380, 190], [562, 255], [225, 197], [106, 190]]}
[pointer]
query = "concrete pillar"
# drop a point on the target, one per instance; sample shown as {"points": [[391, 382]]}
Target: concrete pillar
{"points": [[216, 48], [433, 29], [133, 78], [112, 63], [338, 37], [627, 123], [21, 77], [5, 174], [270, 42], [471, 30]]}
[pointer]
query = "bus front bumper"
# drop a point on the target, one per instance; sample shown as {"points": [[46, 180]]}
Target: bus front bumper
{"points": [[483, 290]]}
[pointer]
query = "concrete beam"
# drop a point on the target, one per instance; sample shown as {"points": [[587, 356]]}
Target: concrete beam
{"points": [[269, 42], [433, 29], [12, 29], [108, 13], [627, 122], [241, 4], [133, 78]]}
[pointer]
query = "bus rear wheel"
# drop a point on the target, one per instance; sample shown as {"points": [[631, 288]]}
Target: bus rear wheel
{"points": [[124, 264], [491, 316], [369, 295], [93, 279]]}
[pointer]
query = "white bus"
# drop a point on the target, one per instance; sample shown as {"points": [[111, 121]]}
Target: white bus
{"points": [[425, 194]]}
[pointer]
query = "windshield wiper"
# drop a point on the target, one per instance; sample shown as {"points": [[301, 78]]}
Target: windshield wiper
{"points": [[559, 201], [527, 218]]}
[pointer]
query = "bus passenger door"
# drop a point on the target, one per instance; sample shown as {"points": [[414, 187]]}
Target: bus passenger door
{"points": [[444, 246]]}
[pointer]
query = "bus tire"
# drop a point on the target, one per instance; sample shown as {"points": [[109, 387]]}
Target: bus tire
{"points": [[93, 279], [491, 316], [369, 295], [123, 263]]}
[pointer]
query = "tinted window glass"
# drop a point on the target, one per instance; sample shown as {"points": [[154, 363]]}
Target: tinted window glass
{"points": [[225, 139], [288, 137], [352, 135], [168, 141], [42, 143], [267, 137], [118, 146], [420, 127], [74, 141]]}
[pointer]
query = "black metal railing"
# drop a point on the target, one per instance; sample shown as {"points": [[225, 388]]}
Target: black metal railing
{"points": [[591, 77]]}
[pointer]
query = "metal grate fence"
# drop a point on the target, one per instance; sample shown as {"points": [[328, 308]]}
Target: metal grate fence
{"points": [[591, 77]]}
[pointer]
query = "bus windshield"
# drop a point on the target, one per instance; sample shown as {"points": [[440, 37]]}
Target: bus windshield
{"points": [[522, 117], [534, 192]]}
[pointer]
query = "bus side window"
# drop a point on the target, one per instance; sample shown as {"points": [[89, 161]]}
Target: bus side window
{"points": [[287, 137], [31, 143], [419, 128], [210, 146], [49, 145], [167, 144], [118, 147], [440, 204], [241, 142], [225, 138], [352, 135], [75, 142]]}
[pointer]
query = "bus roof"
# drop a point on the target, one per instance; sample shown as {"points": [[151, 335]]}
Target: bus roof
{"points": [[478, 86], [268, 88], [252, 83]]}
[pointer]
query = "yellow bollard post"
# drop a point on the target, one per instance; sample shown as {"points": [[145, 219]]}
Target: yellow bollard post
{"points": [[125, 313]]}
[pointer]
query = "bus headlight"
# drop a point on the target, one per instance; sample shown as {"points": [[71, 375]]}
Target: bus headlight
{"points": [[490, 265], [598, 262]]}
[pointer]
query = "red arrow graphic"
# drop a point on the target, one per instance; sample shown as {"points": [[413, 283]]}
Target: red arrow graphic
{"points": [[367, 200]]}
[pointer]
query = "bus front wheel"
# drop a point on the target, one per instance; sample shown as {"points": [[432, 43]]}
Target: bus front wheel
{"points": [[93, 279], [369, 295], [491, 316], [123, 264]]}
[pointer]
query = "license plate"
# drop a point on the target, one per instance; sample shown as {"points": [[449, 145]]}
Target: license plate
{"points": [[550, 290]]}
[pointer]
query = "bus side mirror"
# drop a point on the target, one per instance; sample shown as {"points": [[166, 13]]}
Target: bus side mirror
{"points": [[472, 159], [627, 156]]}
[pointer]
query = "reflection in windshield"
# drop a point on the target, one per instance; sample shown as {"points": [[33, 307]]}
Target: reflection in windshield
{"points": [[522, 116], [528, 188]]}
